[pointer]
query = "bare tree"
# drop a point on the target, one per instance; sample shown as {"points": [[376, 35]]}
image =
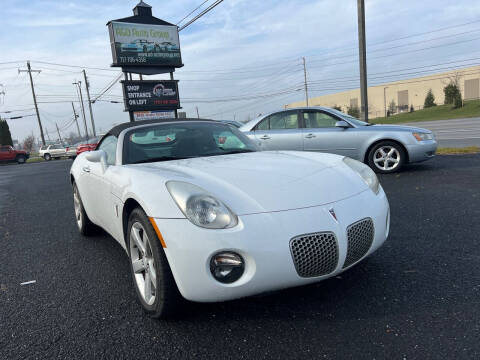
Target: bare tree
{"points": [[29, 143]]}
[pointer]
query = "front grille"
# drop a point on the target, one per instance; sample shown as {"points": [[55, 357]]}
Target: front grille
{"points": [[360, 237], [314, 254]]}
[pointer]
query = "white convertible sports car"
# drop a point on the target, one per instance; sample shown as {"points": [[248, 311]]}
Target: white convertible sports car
{"points": [[204, 216]]}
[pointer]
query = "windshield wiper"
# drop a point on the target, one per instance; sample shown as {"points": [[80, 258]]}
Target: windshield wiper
{"points": [[160, 158], [370, 124]]}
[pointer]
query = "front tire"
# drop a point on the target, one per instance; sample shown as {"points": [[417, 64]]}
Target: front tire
{"points": [[21, 159], [386, 157], [153, 280], [47, 157], [84, 225]]}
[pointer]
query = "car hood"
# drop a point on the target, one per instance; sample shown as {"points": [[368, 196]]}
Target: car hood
{"points": [[382, 127], [264, 181]]}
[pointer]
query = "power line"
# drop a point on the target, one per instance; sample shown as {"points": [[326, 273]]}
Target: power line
{"points": [[191, 12], [208, 9]]}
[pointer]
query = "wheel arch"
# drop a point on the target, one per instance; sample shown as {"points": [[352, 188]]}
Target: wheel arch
{"points": [[376, 142], [129, 205]]}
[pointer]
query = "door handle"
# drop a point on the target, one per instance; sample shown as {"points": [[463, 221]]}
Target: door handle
{"points": [[309, 136], [86, 169], [265, 137]]}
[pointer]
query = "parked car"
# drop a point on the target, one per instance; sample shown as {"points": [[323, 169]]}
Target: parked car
{"points": [[384, 147], [71, 150], [9, 154], [49, 152], [207, 221], [237, 124], [88, 146]]}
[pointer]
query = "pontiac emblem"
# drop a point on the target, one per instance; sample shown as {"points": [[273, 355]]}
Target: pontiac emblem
{"points": [[332, 212]]}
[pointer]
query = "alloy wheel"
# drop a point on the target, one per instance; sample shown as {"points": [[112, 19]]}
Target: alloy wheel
{"points": [[386, 158], [78, 208], [143, 263]]}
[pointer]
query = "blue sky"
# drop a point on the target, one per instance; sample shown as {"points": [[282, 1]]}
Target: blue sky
{"points": [[241, 48]]}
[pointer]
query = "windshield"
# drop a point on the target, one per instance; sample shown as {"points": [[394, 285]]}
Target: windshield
{"points": [[185, 140], [349, 118]]}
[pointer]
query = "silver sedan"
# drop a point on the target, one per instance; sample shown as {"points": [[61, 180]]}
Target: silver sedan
{"points": [[384, 147]]}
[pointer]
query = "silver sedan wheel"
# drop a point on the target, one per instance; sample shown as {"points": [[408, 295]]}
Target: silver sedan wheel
{"points": [[143, 264], [386, 158], [78, 208]]}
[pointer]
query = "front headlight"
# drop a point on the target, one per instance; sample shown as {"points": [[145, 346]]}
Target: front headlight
{"points": [[423, 136], [367, 174], [200, 207]]}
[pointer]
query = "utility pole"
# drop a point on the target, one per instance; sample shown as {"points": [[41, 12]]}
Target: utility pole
{"points": [[79, 89], [198, 115], [305, 76], [176, 111], [87, 86], [58, 132], [75, 116], [29, 70], [385, 100], [363, 60]]}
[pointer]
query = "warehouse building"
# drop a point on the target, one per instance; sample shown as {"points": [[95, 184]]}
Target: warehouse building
{"points": [[402, 95]]}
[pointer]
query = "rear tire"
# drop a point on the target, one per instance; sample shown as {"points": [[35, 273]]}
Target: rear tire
{"points": [[153, 280], [386, 157], [84, 225], [21, 159], [47, 157]]}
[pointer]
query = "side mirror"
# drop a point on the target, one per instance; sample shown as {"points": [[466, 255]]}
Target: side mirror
{"points": [[98, 156], [342, 124]]}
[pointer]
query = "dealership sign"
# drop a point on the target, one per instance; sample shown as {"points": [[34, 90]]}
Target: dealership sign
{"points": [[149, 95], [153, 115], [144, 44]]}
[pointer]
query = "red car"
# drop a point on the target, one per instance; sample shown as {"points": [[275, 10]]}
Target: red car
{"points": [[88, 146], [9, 154]]}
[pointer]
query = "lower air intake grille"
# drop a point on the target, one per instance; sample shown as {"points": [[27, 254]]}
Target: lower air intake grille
{"points": [[314, 254], [360, 237]]}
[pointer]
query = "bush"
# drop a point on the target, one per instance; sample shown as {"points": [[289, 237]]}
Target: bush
{"points": [[392, 107], [354, 111], [338, 108], [412, 109], [451, 92], [457, 103], [429, 100]]}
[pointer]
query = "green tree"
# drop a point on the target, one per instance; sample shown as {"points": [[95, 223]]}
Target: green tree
{"points": [[451, 92], [429, 100], [5, 136], [354, 111], [457, 102]]}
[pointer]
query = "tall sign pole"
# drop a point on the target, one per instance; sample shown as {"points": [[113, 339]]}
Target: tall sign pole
{"points": [[29, 70], [363, 60], [87, 86]]}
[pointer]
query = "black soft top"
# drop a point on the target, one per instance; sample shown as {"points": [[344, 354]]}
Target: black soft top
{"points": [[119, 128]]}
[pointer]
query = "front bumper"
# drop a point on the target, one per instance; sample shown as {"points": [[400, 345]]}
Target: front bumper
{"points": [[422, 151], [263, 240]]}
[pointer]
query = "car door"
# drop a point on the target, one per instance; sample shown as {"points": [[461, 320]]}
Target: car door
{"points": [[280, 131], [321, 134], [99, 185], [4, 153]]}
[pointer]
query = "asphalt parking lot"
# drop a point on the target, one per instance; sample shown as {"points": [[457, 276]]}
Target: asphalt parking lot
{"points": [[415, 298]]}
